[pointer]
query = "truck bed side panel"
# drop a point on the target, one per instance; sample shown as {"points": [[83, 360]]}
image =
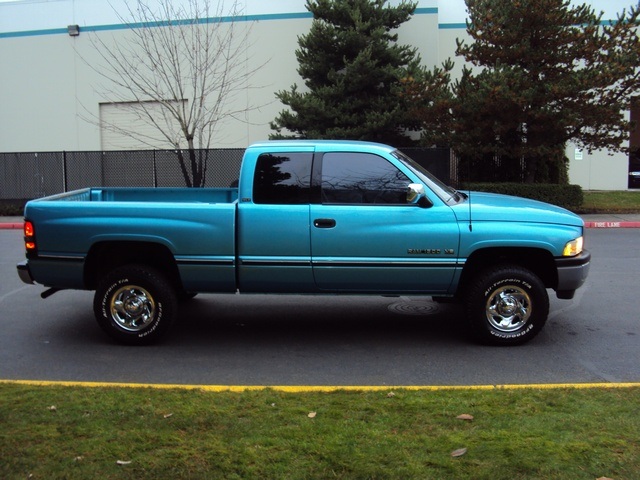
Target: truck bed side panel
{"points": [[199, 235]]}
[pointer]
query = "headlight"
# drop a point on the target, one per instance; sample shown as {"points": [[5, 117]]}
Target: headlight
{"points": [[574, 247]]}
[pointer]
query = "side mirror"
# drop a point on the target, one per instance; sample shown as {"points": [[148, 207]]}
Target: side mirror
{"points": [[416, 195]]}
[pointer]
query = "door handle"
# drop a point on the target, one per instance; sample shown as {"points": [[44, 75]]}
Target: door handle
{"points": [[324, 223]]}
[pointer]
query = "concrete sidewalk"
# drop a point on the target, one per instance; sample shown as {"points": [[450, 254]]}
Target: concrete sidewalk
{"points": [[630, 220]]}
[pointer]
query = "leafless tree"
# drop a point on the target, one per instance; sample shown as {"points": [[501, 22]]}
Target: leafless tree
{"points": [[180, 68]]}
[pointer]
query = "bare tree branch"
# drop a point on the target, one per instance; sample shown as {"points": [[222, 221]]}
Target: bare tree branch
{"points": [[189, 59]]}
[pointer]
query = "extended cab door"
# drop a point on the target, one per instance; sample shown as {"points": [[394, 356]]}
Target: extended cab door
{"points": [[366, 237], [274, 251]]}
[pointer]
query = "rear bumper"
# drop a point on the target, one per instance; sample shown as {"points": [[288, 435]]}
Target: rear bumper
{"points": [[24, 273], [572, 273]]}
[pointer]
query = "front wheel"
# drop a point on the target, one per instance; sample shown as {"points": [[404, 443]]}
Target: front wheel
{"points": [[507, 305], [135, 304]]}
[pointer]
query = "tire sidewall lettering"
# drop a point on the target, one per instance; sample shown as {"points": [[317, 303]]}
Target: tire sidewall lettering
{"points": [[508, 281], [521, 333], [155, 323]]}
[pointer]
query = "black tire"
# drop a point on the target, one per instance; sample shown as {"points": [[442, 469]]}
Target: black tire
{"points": [[135, 304], [506, 305]]}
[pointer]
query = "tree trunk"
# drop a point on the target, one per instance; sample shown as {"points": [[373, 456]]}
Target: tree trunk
{"points": [[183, 169]]}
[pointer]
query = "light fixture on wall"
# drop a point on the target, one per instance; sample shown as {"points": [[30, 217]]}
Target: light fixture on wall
{"points": [[74, 30]]}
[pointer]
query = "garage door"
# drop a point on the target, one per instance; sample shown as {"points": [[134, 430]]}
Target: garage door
{"points": [[127, 126]]}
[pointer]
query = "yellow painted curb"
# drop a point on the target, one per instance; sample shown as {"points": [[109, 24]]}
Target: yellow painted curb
{"points": [[314, 388]]}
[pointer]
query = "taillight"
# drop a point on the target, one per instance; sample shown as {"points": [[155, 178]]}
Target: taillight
{"points": [[29, 237]]}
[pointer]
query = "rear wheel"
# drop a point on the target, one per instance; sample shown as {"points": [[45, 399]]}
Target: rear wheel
{"points": [[135, 304], [507, 305]]}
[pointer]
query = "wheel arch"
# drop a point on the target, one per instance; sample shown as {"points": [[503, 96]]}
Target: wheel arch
{"points": [[104, 257], [539, 261]]}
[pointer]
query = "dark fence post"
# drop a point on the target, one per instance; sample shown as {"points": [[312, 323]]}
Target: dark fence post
{"points": [[64, 170], [155, 171]]}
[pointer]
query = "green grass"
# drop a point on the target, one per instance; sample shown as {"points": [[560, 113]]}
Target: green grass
{"points": [[515, 434], [611, 202]]}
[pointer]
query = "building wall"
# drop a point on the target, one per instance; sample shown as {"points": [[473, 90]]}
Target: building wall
{"points": [[599, 170], [51, 96]]}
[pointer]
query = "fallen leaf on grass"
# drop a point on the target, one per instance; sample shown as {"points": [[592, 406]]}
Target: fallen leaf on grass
{"points": [[390, 395], [459, 452], [312, 415], [123, 462], [465, 416], [168, 415]]}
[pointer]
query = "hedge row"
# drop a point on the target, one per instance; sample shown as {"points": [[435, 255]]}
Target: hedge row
{"points": [[12, 207], [567, 196]]}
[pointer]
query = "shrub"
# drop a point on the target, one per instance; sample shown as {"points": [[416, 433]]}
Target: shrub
{"points": [[567, 196], [12, 207]]}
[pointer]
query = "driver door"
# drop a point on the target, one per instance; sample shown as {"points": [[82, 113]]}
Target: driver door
{"points": [[366, 237]]}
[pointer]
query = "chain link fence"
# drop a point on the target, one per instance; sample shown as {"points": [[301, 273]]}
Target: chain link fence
{"points": [[33, 175]]}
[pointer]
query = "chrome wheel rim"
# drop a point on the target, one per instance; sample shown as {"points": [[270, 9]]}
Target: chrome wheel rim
{"points": [[508, 309], [132, 308]]}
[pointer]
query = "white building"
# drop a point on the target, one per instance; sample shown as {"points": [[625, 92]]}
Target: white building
{"points": [[49, 93]]}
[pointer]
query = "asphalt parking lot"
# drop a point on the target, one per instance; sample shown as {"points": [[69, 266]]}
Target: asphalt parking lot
{"points": [[308, 340]]}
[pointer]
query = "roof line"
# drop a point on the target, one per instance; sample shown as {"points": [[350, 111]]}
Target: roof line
{"points": [[225, 19]]}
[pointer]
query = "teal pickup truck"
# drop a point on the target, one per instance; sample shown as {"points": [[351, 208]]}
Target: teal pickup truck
{"points": [[308, 217]]}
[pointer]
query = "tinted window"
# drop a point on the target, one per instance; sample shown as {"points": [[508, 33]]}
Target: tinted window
{"points": [[282, 178], [362, 178]]}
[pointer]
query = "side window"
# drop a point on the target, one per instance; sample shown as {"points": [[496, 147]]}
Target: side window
{"points": [[283, 178], [351, 178]]}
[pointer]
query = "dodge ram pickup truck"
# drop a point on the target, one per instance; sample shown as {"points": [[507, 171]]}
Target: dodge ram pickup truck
{"points": [[308, 217]]}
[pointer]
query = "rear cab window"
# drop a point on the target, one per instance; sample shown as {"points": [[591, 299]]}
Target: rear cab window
{"points": [[283, 178]]}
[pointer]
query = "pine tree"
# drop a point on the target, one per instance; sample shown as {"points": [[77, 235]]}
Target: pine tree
{"points": [[544, 72], [352, 67]]}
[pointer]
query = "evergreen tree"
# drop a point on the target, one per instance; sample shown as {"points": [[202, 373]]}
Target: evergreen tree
{"points": [[352, 66], [546, 72]]}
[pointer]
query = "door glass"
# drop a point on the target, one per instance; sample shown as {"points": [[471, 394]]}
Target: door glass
{"points": [[362, 178]]}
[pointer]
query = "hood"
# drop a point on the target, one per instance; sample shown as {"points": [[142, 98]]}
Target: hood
{"points": [[493, 207]]}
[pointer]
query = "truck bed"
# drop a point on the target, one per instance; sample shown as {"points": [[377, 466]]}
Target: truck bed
{"points": [[197, 227]]}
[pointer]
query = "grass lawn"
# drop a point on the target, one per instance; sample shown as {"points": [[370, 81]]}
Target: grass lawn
{"points": [[53, 432], [627, 201]]}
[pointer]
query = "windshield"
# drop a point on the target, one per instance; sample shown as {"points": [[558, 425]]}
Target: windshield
{"points": [[447, 194]]}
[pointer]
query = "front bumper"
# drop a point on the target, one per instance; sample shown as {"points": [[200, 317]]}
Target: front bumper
{"points": [[24, 273], [572, 273]]}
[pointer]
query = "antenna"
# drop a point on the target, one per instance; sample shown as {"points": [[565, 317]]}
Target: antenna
{"points": [[469, 194], [470, 223]]}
